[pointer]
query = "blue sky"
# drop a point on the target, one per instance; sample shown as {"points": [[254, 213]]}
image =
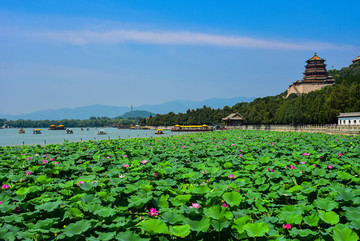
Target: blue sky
{"points": [[56, 54]]}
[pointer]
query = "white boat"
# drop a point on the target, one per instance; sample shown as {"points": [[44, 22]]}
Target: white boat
{"points": [[101, 132]]}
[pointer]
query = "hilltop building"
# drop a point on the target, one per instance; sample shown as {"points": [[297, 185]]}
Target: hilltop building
{"points": [[234, 119], [356, 62], [350, 118], [315, 77]]}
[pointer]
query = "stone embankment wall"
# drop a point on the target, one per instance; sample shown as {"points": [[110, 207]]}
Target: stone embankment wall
{"points": [[329, 129]]}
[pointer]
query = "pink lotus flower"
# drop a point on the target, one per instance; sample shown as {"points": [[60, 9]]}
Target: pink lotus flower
{"points": [[144, 161], [121, 176], [28, 158], [285, 166], [107, 157], [303, 162], [155, 174], [56, 163], [306, 154], [21, 179], [231, 176], [1, 201], [153, 212], [125, 156], [195, 205], [5, 187], [207, 180], [28, 173], [340, 154], [44, 162], [287, 226], [126, 165], [51, 159], [292, 167], [314, 165], [225, 205], [330, 167], [227, 187], [203, 172], [233, 144], [80, 182], [240, 155]]}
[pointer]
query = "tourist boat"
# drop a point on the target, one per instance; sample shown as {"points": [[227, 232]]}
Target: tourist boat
{"points": [[101, 132], [82, 129], [145, 128], [57, 127], [159, 132], [191, 128], [87, 129], [132, 127], [69, 131], [36, 131], [21, 131]]}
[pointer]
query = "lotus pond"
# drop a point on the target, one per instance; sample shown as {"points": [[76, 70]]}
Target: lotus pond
{"points": [[229, 185]]}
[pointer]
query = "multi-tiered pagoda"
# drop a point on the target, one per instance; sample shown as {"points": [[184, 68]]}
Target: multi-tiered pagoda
{"points": [[315, 77], [355, 62]]}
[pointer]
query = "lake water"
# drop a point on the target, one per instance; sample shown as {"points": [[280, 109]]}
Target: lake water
{"points": [[11, 137]]}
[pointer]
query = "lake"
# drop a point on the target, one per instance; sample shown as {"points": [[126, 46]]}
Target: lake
{"points": [[11, 136]]}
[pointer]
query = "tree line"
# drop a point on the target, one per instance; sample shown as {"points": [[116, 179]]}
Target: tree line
{"points": [[317, 107], [70, 123]]}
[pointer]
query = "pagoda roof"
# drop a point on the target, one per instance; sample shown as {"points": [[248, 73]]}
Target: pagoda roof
{"points": [[315, 57], [233, 116], [357, 59]]}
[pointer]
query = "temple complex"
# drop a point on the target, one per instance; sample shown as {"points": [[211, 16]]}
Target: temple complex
{"points": [[315, 77], [356, 62]]}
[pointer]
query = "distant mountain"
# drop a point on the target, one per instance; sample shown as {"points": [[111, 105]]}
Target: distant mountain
{"points": [[184, 105], [86, 112], [137, 113]]}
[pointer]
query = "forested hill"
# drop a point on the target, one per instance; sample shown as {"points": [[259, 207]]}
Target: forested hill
{"points": [[318, 107]]}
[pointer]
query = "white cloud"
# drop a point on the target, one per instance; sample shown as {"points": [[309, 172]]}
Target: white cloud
{"points": [[83, 37]]}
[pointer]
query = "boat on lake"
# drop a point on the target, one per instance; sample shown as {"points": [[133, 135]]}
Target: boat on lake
{"points": [[69, 131], [36, 131], [21, 131], [101, 132], [195, 128], [159, 132], [57, 127]]}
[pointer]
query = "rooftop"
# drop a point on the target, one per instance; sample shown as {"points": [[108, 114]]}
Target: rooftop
{"points": [[350, 114], [315, 57]]}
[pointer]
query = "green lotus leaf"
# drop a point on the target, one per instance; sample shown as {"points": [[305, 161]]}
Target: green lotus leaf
{"points": [[352, 213], [218, 213], [49, 206], [180, 199], [198, 226], [138, 201], [326, 204], [77, 228], [291, 218], [232, 198], [106, 236], [219, 225], [329, 217], [90, 199], [172, 217], [239, 223], [214, 193], [105, 212], [44, 179], [180, 230], [201, 190], [302, 232], [22, 191], [154, 226], [345, 234], [86, 186], [12, 218], [130, 236], [256, 229], [344, 175], [312, 220]]}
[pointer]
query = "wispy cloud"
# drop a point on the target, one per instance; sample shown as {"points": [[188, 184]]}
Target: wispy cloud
{"points": [[84, 37]]}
